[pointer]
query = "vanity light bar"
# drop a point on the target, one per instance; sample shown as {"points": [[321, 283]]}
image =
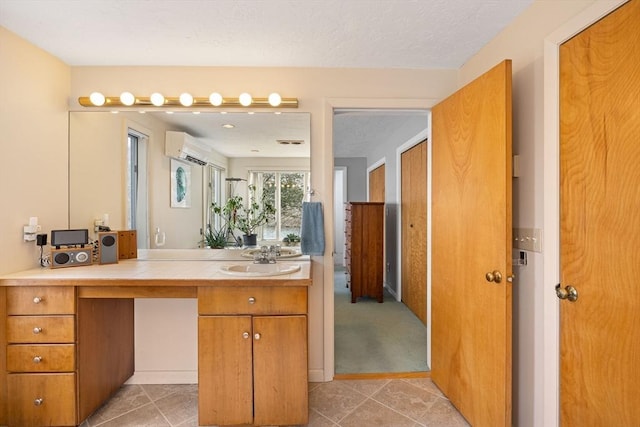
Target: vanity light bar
{"points": [[198, 102]]}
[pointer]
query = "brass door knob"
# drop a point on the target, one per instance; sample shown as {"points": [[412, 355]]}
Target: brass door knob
{"points": [[493, 276], [569, 292]]}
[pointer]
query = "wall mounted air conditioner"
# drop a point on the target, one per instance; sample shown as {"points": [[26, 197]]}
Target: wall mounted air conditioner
{"points": [[181, 145]]}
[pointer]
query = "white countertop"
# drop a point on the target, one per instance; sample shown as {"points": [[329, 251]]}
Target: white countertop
{"points": [[182, 269]]}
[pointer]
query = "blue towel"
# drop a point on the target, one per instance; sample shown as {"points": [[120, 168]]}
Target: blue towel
{"points": [[312, 229]]}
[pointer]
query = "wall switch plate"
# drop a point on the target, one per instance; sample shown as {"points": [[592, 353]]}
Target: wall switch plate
{"points": [[529, 239]]}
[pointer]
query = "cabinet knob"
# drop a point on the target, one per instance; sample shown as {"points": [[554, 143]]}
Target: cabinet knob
{"points": [[252, 300], [37, 359], [256, 336], [245, 335], [39, 401], [37, 300], [37, 330]]}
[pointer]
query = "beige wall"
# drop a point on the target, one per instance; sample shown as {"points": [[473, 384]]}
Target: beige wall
{"points": [[34, 87]]}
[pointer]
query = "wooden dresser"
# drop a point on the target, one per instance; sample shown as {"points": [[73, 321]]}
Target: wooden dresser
{"points": [[364, 229]]}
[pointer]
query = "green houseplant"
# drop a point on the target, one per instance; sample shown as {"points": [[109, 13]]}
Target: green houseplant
{"points": [[246, 217], [215, 238]]}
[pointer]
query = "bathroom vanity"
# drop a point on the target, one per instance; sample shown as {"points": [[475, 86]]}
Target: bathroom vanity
{"points": [[70, 338]]}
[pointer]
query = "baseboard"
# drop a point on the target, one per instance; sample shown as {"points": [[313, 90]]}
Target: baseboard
{"points": [[191, 377], [316, 376], [391, 291], [164, 377]]}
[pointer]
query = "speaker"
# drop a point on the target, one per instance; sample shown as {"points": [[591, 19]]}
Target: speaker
{"points": [[127, 244], [69, 237], [108, 247], [70, 257]]}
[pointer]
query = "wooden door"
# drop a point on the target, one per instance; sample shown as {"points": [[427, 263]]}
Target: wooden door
{"points": [[414, 229], [225, 385], [377, 194], [471, 236], [600, 222], [280, 370], [377, 184]]}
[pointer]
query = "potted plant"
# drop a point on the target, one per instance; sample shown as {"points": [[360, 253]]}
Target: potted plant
{"points": [[215, 239], [246, 217], [291, 239]]}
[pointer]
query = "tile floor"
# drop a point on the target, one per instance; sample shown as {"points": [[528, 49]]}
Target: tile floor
{"points": [[342, 403]]}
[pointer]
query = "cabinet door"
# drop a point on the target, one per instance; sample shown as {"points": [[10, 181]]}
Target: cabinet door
{"points": [[225, 389], [280, 370]]}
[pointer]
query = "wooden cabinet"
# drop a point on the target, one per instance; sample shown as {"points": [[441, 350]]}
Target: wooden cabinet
{"points": [[364, 226], [41, 363], [252, 356]]}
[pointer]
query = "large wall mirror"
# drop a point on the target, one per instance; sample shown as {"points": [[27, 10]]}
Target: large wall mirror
{"points": [[119, 171]]}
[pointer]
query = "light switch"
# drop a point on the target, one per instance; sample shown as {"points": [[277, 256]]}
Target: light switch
{"points": [[529, 239]]}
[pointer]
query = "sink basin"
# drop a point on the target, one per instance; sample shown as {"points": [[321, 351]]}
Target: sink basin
{"points": [[259, 270], [284, 252]]}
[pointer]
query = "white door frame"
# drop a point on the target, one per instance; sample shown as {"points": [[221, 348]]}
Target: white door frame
{"points": [[547, 358], [332, 104]]}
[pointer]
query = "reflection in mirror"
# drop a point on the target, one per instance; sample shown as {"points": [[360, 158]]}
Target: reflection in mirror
{"points": [[118, 169]]}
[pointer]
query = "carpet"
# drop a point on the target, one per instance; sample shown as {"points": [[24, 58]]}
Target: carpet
{"points": [[376, 338]]}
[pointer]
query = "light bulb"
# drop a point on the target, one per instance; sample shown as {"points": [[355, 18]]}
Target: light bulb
{"points": [[275, 99], [127, 98], [97, 99], [245, 99], [186, 99], [157, 99], [215, 99]]}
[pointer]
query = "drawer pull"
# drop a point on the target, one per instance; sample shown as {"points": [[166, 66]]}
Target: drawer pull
{"points": [[37, 359], [37, 300], [37, 330], [39, 401], [256, 336], [245, 335], [252, 300]]}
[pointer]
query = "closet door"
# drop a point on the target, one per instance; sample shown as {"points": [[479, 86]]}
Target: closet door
{"points": [[414, 229]]}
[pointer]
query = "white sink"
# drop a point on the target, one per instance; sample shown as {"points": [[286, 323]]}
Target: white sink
{"points": [[284, 252], [259, 270]]}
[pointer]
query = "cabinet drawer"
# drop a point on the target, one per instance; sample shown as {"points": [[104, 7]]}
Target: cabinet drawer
{"points": [[41, 400], [41, 300], [40, 329], [41, 358], [252, 300]]}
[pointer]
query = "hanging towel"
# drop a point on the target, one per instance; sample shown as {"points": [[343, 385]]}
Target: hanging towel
{"points": [[312, 229]]}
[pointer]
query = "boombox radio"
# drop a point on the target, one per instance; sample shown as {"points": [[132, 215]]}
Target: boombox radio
{"points": [[70, 257]]}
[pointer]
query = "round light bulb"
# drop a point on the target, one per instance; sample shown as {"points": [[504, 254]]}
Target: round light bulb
{"points": [[245, 99], [97, 99], [186, 99], [127, 98], [215, 99], [275, 99], [157, 99]]}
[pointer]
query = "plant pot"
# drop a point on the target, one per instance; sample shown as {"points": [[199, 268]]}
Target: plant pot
{"points": [[250, 239]]}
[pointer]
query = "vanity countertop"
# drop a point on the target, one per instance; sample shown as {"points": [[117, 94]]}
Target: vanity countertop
{"points": [[159, 272]]}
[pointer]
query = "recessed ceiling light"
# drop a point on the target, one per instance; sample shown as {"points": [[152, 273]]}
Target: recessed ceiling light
{"points": [[255, 151], [228, 126]]}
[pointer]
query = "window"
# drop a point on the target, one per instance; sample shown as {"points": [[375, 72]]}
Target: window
{"points": [[136, 203], [287, 190], [214, 195]]}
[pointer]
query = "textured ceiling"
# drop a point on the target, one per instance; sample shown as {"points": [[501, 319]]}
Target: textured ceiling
{"points": [[297, 33], [282, 33]]}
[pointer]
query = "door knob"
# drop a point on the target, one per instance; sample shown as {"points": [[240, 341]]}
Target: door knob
{"points": [[493, 276], [569, 292]]}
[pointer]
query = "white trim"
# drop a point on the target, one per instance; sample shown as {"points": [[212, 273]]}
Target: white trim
{"points": [[547, 397], [163, 377]]}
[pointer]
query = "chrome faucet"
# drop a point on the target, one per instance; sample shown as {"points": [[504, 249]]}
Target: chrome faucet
{"points": [[267, 254]]}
